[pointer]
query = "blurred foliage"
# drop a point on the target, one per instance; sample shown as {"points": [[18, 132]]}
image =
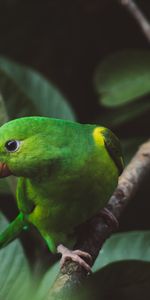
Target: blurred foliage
{"points": [[15, 276], [121, 280], [123, 77], [83, 60], [127, 246], [26, 92]]}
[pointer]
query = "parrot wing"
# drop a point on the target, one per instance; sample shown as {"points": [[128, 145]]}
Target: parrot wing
{"points": [[113, 146]]}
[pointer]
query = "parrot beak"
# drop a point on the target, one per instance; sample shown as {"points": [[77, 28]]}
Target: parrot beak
{"points": [[4, 170]]}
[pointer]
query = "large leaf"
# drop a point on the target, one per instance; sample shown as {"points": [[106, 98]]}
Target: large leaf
{"points": [[126, 280], [121, 280], [26, 92], [123, 77], [124, 246], [47, 281], [14, 270]]}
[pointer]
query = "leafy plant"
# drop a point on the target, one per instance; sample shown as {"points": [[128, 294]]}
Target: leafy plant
{"points": [[15, 275], [26, 92], [121, 82], [123, 77]]}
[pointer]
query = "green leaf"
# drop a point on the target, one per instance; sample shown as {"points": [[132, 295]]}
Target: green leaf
{"points": [[124, 246], [14, 270], [26, 92], [47, 281], [126, 280], [123, 77]]}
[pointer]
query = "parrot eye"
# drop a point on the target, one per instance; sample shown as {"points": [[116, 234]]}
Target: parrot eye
{"points": [[12, 146]]}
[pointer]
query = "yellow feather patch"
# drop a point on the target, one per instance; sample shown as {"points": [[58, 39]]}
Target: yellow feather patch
{"points": [[98, 136]]}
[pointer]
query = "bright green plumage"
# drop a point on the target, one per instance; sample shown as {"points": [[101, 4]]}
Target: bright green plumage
{"points": [[67, 172]]}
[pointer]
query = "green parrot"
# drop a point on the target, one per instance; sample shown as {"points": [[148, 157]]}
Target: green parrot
{"points": [[66, 174]]}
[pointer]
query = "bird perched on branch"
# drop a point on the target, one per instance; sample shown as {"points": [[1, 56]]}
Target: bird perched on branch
{"points": [[66, 173]]}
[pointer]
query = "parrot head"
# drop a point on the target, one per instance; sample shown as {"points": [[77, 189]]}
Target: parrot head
{"points": [[29, 145]]}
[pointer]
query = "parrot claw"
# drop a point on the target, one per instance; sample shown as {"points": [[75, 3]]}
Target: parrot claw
{"points": [[76, 256]]}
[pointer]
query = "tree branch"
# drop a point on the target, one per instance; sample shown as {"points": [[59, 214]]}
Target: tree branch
{"points": [[138, 15], [94, 233]]}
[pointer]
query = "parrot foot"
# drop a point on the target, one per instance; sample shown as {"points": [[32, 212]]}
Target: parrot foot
{"points": [[76, 256]]}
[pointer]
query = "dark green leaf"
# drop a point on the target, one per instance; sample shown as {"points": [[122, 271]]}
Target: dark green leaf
{"points": [[14, 270], [126, 280], [124, 246], [48, 280], [26, 92], [123, 77]]}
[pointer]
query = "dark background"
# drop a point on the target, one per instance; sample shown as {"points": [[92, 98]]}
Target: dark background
{"points": [[65, 40]]}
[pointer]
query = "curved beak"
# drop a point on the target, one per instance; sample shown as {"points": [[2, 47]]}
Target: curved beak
{"points": [[4, 170]]}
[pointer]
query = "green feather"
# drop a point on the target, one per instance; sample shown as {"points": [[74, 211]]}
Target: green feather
{"points": [[66, 173], [114, 148]]}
